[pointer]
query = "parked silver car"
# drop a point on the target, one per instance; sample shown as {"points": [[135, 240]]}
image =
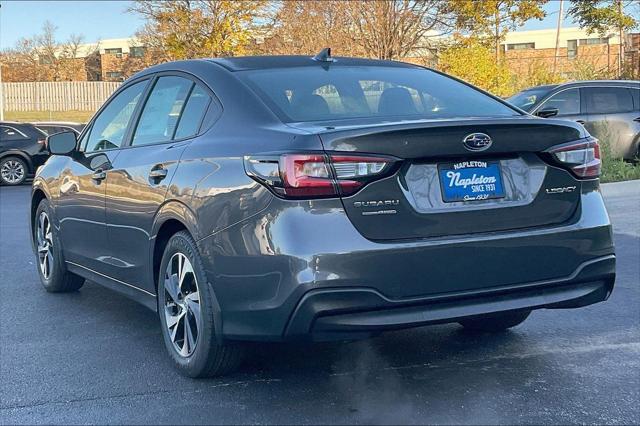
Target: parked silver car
{"points": [[608, 109]]}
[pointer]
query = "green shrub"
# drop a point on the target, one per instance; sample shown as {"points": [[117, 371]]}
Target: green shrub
{"points": [[616, 169]]}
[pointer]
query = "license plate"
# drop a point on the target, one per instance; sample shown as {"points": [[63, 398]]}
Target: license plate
{"points": [[471, 181]]}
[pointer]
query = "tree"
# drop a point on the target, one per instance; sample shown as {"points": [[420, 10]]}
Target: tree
{"points": [[304, 27], [43, 58], [492, 19], [486, 73], [395, 29], [185, 29], [600, 16]]}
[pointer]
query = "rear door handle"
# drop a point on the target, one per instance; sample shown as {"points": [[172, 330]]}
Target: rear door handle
{"points": [[637, 119], [580, 121], [158, 173], [99, 175]]}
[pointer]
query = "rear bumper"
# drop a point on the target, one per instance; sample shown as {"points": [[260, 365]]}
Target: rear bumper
{"points": [[301, 270], [330, 314]]}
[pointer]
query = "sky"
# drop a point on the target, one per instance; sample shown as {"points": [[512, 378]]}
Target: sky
{"points": [[99, 20]]}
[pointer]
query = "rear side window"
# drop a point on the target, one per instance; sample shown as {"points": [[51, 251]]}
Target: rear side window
{"points": [[567, 102], [10, 134], [193, 113], [608, 100], [341, 92]]}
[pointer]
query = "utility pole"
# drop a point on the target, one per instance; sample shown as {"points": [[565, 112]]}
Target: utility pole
{"points": [[1, 91], [621, 35], [555, 58]]}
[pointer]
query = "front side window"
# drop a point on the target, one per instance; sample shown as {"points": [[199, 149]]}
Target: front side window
{"points": [[567, 102], [162, 111], [528, 99], [342, 92], [110, 126], [608, 100]]}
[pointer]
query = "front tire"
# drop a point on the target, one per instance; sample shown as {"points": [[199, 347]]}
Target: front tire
{"points": [[13, 171], [51, 267], [495, 322], [186, 311]]}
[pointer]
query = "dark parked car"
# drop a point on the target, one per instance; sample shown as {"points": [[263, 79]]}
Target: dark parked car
{"points": [[609, 110], [53, 127], [284, 198], [22, 151]]}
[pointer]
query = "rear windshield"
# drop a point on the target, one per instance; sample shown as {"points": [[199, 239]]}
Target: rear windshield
{"points": [[528, 98], [304, 94]]}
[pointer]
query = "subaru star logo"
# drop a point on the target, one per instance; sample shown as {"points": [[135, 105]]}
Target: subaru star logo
{"points": [[477, 141]]}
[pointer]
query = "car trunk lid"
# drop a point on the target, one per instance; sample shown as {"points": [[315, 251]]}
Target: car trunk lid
{"points": [[434, 172]]}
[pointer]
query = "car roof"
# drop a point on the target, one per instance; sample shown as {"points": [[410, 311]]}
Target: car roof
{"points": [[56, 123], [627, 83], [241, 63]]}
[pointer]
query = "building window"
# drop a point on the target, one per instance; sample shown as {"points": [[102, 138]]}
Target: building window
{"points": [[114, 51], [587, 41], [520, 46], [114, 74], [46, 59], [572, 48], [136, 52]]}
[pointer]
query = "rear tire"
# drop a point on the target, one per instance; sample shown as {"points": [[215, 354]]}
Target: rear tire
{"points": [[495, 322], [52, 270], [13, 171], [186, 310]]}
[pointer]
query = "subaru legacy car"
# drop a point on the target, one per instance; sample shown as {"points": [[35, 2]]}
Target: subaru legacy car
{"points": [[320, 198], [609, 110]]}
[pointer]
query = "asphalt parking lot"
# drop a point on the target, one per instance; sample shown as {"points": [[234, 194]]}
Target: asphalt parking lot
{"points": [[96, 357]]}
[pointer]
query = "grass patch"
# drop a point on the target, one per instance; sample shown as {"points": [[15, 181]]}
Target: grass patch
{"points": [[78, 116], [616, 169]]}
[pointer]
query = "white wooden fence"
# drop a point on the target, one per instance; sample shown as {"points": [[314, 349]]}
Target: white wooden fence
{"points": [[56, 95]]}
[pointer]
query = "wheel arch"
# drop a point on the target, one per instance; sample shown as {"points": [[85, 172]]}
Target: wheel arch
{"points": [[172, 217], [37, 196]]}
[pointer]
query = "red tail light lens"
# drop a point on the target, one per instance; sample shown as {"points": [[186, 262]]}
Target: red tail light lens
{"points": [[316, 175], [582, 157]]}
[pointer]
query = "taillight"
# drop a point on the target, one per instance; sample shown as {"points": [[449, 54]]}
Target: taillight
{"points": [[581, 157], [317, 175]]}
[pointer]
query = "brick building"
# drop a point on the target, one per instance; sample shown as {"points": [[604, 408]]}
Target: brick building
{"points": [[577, 49], [117, 59]]}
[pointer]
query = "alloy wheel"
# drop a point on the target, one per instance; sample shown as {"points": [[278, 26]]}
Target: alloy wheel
{"points": [[44, 239], [12, 171], [182, 304]]}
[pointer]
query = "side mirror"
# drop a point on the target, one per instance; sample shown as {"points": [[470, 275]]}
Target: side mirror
{"points": [[547, 112], [62, 143]]}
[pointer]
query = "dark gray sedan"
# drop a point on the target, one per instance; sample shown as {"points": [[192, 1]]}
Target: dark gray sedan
{"points": [[298, 198], [609, 110]]}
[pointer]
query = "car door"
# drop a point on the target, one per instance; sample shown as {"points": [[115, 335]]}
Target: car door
{"points": [[80, 204], [138, 180], [611, 115]]}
